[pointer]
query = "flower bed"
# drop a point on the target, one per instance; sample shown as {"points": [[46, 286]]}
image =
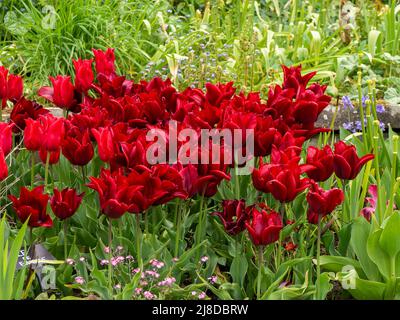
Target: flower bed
{"points": [[134, 203]]}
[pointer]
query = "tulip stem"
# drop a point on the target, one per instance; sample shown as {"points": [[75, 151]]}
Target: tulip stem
{"points": [[200, 225], [178, 229], [46, 170], [32, 169], [138, 242], [65, 227], [260, 265], [318, 286], [110, 256]]}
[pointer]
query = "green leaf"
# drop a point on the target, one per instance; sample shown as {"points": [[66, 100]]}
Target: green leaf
{"points": [[239, 269], [377, 255], [337, 263], [368, 290], [390, 239], [358, 241]]}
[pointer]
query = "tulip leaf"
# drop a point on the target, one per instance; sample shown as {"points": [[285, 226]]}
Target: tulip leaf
{"points": [[377, 255], [368, 290], [239, 269], [337, 263], [359, 237], [390, 240]]}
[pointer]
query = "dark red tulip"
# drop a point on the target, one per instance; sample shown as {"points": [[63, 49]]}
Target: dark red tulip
{"points": [[283, 181], [62, 93], [65, 203], [264, 227], [158, 185], [320, 163], [5, 137], [346, 163], [216, 94], [115, 194], [25, 109], [233, 216], [3, 166], [54, 156], [32, 205], [321, 202], [83, 75], [11, 87], [77, 147]]}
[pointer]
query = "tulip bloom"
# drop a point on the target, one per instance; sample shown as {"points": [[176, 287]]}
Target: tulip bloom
{"points": [[54, 156], [104, 62], [115, 194], [62, 94], [320, 163], [32, 205], [83, 75], [264, 227], [346, 163], [11, 87], [65, 203], [105, 142], [25, 109], [77, 147], [5, 137], [283, 181], [233, 216], [321, 202], [47, 132]]}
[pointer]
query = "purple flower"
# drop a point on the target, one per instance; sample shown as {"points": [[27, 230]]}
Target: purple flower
{"points": [[347, 103], [380, 108], [349, 126]]}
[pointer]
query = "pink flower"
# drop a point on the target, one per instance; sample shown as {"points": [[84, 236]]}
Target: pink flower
{"points": [[79, 280]]}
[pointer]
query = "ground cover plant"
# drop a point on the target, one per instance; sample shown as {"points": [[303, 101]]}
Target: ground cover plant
{"points": [[135, 185]]}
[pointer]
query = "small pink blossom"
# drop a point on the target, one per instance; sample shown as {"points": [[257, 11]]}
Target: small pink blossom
{"points": [[202, 295], [82, 259], [148, 295], [117, 286], [204, 259], [79, 280], [213, 279], [70, 261], [106, 249], [104, 262]]}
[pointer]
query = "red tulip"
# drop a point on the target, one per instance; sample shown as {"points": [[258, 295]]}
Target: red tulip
{"points": [[283, 181], [104, 62], [25, 109], [77, 147], [320, 163], [47, 132], [5, 138], [32, 205], [292, 78], [62, 94], [158, 185], [264, 227], [65, 203], [346, 163], [83, 75], [54, 156], [218, 93], [3, 166], [321, 202], [115, 194], [105, 142], [11, 87], [233, 216]]}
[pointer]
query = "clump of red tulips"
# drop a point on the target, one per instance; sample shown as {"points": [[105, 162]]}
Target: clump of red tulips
{"points": [[107, 117]]}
